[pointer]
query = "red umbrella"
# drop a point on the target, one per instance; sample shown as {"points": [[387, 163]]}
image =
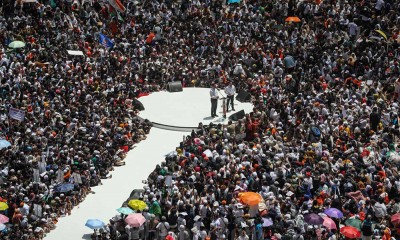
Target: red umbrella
{"points": [[350, 232], [395, 219]]}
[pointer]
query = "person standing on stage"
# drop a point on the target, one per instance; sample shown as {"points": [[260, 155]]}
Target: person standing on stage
{"points": [[230, 91], [214, 100]]}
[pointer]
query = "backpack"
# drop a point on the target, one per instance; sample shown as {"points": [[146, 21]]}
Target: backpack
{"points": [[366, 228]]}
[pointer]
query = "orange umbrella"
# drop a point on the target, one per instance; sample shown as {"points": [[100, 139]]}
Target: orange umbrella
{"points": [[293, 19], [250, 198]]}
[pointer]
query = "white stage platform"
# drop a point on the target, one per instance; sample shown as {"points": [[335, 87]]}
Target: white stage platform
{"points": [[185, 109]]}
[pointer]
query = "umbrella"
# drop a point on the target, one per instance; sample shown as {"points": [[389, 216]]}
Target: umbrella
{"points": [[4, 144], [2, 227], [350, 232], [267, 222], [329, 223], [64, 187], [94, 223], [16, 44], [250, 198], [3, 206], [333, 212], [137, 204], [125, 210], [313, 219], [354, 222], [292, 19], [233, 1], [4, 219], [395, 219], [135, 220]]}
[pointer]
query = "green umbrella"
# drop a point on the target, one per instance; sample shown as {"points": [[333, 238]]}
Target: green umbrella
{"points": [[125, 210], [16, 44], [354, 222]]}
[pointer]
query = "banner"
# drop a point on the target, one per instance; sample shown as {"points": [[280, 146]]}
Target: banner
{"points": [[16, 114], [75, 53]]}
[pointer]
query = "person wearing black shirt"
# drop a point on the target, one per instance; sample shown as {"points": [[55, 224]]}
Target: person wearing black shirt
{"points": [[374, 119]]}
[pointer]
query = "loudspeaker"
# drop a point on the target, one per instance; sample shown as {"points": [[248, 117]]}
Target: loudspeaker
{"points": [[243, 96], [138, 105], [237, 115], [174, 87]]}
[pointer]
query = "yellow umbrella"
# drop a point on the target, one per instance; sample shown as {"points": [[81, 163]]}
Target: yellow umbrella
{"points": [[3, 206], [137, 204]]}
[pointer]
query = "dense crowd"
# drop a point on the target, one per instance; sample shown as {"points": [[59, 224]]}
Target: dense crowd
{"points": [[80, 114], [323, 133]]}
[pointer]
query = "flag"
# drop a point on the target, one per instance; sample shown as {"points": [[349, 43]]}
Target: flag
{"points": [[16, 114], [105, 41], [381, 33], [117, 5], [119, 17]]}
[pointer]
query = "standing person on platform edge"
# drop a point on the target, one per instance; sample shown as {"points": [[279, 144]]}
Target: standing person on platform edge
{"points": [[214, 100], [230, 91]]}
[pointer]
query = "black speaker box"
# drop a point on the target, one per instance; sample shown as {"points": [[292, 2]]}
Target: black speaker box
{"points": [[174, 87], [138, 105], [237, 115], [243, 96]]}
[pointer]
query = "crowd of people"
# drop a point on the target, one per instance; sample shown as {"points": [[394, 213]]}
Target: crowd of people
{"points": [[323, 133], [80, 117]]}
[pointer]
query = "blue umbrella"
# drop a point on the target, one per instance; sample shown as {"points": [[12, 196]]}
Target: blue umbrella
{"points": [[125, 210], [4, 144], [233, 1], [64, 187], [94, 223]]}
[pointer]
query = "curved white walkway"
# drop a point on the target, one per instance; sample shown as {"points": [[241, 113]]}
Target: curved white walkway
{"points": [[181, 109], [109, 196]]}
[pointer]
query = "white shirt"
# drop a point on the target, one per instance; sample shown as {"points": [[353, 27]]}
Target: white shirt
{"points": [[230, 90], [214, 93], [379, 4], [163, 226], [241, 237], [353, 28]]}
